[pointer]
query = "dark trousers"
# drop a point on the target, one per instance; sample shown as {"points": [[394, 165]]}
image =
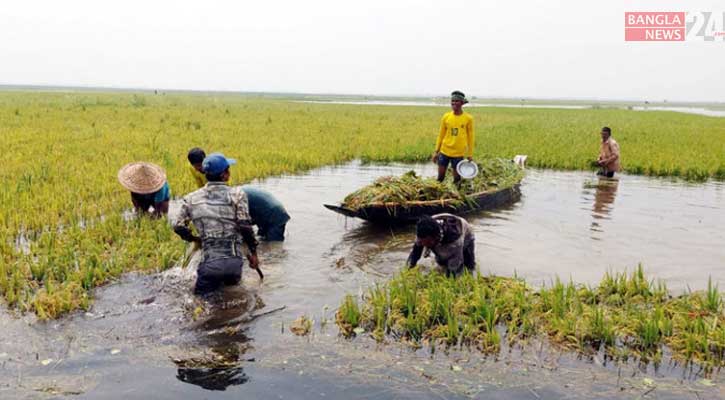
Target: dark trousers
{"points": [[272, 233], [213, 274], [466, 259]]}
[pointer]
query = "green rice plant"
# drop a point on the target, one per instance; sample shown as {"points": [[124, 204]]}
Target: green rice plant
{"points": [[378, 301], [476, 310], [558, 299], [348, 315], [713, 298], [452, 328], [649, 334], [600, 328]]}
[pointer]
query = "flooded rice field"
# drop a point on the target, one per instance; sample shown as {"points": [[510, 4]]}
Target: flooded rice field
{"points": [[148, 337]]}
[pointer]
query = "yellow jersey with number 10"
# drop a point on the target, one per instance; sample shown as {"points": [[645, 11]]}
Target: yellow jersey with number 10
{"points": [[456, 137]]}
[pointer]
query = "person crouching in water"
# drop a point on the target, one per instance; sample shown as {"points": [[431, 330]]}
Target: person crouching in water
{"points": [[220, 215], [450, 238], [455, 138], [148, 186]]}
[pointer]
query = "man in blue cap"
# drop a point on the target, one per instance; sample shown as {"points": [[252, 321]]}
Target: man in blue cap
{"points": [[220, 215], [266, 211]]}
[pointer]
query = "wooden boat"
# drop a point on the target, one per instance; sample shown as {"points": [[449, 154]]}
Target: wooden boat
{"points": [[410, 211]]}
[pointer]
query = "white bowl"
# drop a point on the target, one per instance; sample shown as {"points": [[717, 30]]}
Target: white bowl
{"points": [[467, 169]]}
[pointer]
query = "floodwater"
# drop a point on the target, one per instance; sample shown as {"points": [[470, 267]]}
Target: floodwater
{"points": [[148, 337], [682, 109]]}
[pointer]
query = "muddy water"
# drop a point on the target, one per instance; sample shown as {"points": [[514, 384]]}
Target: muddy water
{"points": [[148, 337]]}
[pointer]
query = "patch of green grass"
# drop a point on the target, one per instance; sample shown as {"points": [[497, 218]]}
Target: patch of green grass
{"points": [[434, 309], [348, 316]]}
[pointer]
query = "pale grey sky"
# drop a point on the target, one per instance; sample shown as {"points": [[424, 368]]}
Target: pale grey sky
{"points": [[550, 49]]}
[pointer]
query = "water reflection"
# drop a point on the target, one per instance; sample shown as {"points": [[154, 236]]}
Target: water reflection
{"points": [[371, 248], [224, 340], [604, 194], [221, 370]]}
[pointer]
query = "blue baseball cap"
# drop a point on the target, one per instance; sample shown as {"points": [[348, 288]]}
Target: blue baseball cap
{"points": [[216, 163]]}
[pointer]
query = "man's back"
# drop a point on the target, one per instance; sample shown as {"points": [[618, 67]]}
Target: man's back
{"points": [[216, 210], [264, 208], [454, 230]]}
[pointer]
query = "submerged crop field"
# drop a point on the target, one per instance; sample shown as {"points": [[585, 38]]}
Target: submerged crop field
{"points": [[625, 316], [62, 225]]}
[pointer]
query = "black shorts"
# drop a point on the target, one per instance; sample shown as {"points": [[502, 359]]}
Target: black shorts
{"points": [[444, 160], [212, 275], [608, 174]]}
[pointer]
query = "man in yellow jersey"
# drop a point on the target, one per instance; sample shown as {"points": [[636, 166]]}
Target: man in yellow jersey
{"points": [[455, 139]]}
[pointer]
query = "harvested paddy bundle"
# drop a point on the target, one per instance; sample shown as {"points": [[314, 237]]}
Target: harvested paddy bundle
{"points": [[494, 174], [407, 197]]}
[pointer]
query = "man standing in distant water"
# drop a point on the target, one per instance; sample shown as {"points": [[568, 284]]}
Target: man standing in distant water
{"points": [[455, 139], [608, 154]]}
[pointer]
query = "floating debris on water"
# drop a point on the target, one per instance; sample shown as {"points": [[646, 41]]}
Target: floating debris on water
{"points": [[301, 326]]}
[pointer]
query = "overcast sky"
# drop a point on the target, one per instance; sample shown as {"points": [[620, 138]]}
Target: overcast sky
{"points": [[542, 49]]}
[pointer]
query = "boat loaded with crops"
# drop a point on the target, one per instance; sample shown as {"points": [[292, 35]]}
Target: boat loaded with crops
{"points": [[408, 197]]}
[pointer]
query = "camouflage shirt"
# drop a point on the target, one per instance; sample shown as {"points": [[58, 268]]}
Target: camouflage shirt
{"points": [[220, 215]]}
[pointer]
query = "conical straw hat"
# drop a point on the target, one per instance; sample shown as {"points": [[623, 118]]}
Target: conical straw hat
{"points": [[142, 177]]}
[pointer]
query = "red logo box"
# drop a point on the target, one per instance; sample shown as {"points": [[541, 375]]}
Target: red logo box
{"points": [[654, 26]]}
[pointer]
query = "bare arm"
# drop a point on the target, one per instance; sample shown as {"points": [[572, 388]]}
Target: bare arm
{"points": [[613, 154]]}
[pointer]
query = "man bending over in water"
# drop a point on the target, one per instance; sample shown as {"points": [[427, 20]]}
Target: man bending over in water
{"points": [[450, 238]]}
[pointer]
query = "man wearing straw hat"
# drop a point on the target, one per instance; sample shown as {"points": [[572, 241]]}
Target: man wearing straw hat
{"points": [[455, 138], [220, 215], [148, 187]]}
